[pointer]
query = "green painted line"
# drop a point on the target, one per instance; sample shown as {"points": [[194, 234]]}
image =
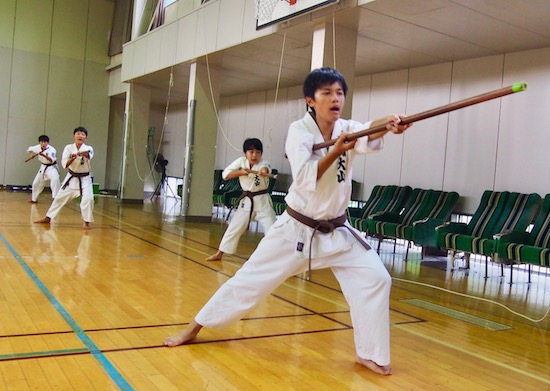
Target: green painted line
{"points": [[43, 354]]}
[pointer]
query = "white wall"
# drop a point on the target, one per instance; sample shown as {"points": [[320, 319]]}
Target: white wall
{"points": [[500, 144], [53, 55]]}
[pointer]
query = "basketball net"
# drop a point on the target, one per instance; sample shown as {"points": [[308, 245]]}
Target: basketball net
{"points": [[265, 8]]}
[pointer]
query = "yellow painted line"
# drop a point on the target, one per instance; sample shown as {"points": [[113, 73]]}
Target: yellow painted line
{"points": [[408, 329]]}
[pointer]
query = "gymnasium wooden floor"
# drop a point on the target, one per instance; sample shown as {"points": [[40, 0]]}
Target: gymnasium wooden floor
{"points": [[89, 311]]}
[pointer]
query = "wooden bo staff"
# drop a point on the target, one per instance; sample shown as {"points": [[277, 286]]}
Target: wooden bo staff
{"points": [[516, 87], [257, 172], [36, 154]]}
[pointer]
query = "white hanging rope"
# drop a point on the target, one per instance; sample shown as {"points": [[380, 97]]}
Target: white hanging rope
{"points": [[476, 298], [215, 108], [131, 127], [269, 133], [333, 41], [270, 130]]}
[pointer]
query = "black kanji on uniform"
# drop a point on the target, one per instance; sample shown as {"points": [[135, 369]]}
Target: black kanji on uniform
{"points": [[341, 168]]}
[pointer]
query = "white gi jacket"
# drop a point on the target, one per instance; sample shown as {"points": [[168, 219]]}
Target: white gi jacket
{"points": [[326, 198], [79, 165], [50, 152], [252, 182]]}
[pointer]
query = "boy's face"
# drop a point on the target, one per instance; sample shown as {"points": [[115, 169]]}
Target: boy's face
{"points": [[43, 144], [328, 101], [80, 137], [253, 156]]}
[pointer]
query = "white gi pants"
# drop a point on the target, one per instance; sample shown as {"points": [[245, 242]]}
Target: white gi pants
{"points": [[45, 174], [67, 194], [239, 224], [364, 280]]}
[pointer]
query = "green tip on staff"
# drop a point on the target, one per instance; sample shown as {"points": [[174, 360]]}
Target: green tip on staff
{"points": [[519, 86]]}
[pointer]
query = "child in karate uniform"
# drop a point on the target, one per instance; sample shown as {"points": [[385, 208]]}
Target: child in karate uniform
{"points": [[78, 182], [255, 202], [47, 155], [314, 231]]}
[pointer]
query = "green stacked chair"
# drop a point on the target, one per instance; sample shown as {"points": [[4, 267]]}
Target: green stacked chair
{"points": [[497, 212], [279, 204], [217, 188], [389, 198], [422, 233], [531, 248], [226, 190], [422, 207]]}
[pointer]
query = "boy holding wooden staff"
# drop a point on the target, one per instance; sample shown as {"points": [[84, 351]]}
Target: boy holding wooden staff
{"points": [[313, 231]]}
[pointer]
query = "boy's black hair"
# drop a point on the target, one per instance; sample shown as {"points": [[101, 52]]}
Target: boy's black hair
{"points": [[253, 143], [320, 77], [43, 138], [81, 129]]}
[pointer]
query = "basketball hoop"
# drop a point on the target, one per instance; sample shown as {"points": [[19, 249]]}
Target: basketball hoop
{"points": [[265, 8]]}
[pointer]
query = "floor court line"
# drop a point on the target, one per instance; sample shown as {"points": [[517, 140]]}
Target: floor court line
{"points": [[90, 345], [469, 352]]}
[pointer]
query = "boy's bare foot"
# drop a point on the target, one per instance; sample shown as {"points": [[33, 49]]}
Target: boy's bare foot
{"points": [[32, 202], [185, 336], [86, 226], [216, 257], [381, 369], [45, 220]]}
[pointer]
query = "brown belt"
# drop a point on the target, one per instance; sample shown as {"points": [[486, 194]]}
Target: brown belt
{"points": [[78, 175], [251, 195], [48, 165], [324, 226]]}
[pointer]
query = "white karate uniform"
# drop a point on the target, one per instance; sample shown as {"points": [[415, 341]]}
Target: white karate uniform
{"points": [[283, 252], [263, 207], [70, 188], [46, 172]]}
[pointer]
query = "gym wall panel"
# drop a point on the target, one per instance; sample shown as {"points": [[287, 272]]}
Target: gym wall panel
{"points": [[100, 17], [296, 109], [116, 86], [139, 56], [230, 27], [29, 85], [7, 22], [33, 26], [5, 80], [388, 95], [473, 131], [360, 112], [524, 137], [425, 143], [187, 28], [275, 127], [168, 45], [22, 133], [255, 115], [3, 147], [223, 126], [69, 29], [235, 128], [152, 60], [94, 117], [127, 67], [207, 29], [115, 143], [175, 141], [64, 98]]}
